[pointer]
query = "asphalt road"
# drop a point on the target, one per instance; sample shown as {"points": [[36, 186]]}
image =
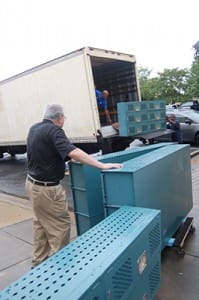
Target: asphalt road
{"points": [[13, 174]]}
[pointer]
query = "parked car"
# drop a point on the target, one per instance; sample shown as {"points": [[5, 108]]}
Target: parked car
{"points": [[190, 105], [174, 105], [189, 124]]}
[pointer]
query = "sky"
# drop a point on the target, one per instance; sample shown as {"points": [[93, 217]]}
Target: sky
{"points": [[161, 34]]}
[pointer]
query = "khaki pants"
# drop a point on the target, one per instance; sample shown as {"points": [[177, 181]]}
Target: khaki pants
{"points": [[51, 223]]}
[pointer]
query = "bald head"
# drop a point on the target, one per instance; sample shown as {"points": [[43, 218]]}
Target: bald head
{"points": [[105, 94]]}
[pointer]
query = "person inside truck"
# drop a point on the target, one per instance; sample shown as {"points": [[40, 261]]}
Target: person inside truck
{"points": [[47, 150], [103, 107]]}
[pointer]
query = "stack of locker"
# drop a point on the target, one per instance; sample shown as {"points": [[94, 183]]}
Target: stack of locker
{"points": [[87, 188], [160, 179], [138, 118], [117, 259]]}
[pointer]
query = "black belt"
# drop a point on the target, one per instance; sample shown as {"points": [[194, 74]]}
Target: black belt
{"points": [[42, 183]]}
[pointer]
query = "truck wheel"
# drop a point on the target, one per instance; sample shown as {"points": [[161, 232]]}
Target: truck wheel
{"points": [[197, 139], [12, 154]]}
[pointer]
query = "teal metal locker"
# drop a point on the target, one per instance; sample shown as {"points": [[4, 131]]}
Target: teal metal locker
{"points": [[137, 118], [160, 179], [119, 258], [87, 188]]}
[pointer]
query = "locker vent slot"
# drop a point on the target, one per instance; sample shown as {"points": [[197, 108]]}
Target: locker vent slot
{"points": [[154, 239], [122, 279], [154, 280]]}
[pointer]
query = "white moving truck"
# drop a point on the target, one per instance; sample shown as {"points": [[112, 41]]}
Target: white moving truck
{"points": [[71, 81]]}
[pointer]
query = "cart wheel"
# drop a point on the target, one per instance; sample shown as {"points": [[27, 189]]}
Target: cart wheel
{"points": [[192, 229], [180, 252]]}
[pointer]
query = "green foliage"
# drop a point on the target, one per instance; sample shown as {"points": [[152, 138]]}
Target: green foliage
{"points": [[170, 85], [193, 81], [148, 86], [174, 84], [144, 73]]}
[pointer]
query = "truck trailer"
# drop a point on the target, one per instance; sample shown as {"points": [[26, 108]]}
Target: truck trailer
{"points": [[69, 80]]}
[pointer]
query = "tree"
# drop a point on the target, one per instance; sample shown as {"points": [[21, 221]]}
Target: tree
{"points": [[144, 73], [173, 84], [196, 48], [193, 82], [149, 87], [169, 85]]}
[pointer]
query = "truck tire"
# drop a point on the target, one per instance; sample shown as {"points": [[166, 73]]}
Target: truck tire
{"points": [[12, 154], [197, 139]]}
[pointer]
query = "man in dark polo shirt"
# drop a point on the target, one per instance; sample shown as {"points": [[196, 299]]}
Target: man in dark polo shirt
{"points": [[47, 150]]}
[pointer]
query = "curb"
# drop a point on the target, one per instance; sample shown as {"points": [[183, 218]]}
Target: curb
{"points": [[194, 153]]}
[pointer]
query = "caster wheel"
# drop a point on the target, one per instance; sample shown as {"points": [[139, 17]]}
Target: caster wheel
{"points": [[180, 252], [192, 230]]}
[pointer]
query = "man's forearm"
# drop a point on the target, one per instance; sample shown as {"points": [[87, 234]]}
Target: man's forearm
{"points": [[82, 157], [108, 116]]}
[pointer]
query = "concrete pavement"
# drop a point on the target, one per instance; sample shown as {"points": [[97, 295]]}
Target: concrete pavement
{"points": [[16, 237], [180, 276]]}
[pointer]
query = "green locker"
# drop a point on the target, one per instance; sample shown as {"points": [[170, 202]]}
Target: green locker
{"points": [[87, 188], [160, 180], [136, 118]]}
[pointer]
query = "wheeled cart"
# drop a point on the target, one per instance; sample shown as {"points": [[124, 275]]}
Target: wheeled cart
{"points": [[177, 242]]}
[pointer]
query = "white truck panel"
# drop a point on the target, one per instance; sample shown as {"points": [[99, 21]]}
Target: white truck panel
{"points": [[109, 53], [69, 80], [47, 86]]}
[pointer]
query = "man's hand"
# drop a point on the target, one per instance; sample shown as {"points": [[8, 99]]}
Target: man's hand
{"points": [[115, 125], [111, 166]]}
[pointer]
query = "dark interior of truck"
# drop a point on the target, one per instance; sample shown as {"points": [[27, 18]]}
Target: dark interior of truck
{"points": [[118, 77]]}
